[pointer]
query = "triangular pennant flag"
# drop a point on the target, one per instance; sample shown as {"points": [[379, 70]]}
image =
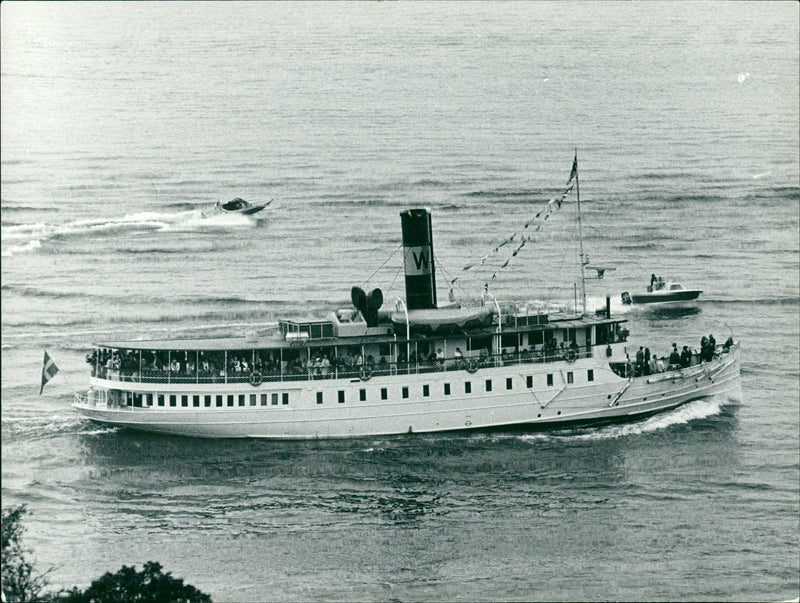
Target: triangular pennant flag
{"points": [[574, 171]]}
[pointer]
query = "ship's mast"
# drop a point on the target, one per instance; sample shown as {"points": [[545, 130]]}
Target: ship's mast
{"points": [[580, 233]]}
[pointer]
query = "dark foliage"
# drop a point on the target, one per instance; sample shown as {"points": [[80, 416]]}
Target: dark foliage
{"points": [[19, 581], [150, 585]]}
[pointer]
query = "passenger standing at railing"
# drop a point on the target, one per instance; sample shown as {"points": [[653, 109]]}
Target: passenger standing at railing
{"points": [[640, 361], [703, 348], [727, 345], [459, 358], [438, 359], [674, 358], [686, 357]]}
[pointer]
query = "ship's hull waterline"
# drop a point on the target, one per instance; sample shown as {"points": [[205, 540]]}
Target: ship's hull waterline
{"points": [[511, 405]]}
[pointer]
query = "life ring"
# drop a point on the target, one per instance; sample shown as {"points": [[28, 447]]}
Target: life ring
{"points": [[572, 355], [365, 373], [255, 378], [472, 366]]}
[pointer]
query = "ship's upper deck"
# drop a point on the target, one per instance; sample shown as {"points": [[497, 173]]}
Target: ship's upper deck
{"points": [[318, 333]]}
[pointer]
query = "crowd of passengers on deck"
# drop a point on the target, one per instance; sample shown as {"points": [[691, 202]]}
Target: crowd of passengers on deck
{"points": [[644, 364], [136, 365]]}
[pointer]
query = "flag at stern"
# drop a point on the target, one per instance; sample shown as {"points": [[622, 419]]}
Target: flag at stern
{"points": [[49, 370]]}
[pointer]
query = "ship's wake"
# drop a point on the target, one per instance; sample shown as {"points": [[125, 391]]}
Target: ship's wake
{"points": [[693, 411], [25, 238]]}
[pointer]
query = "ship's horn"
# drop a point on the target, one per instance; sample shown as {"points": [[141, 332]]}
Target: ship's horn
{"points": [[358, 297], [375, 299]]}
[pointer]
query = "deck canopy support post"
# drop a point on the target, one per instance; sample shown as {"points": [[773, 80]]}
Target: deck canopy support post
{"points": [[408, 334], [498, 346]]}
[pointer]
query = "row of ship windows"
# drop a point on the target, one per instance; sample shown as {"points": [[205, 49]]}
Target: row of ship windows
{"points": [[274, 399], [219, 400], [426, 389]]}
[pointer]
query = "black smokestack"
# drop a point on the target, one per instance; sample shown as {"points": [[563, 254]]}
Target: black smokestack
{"points": [[419, 265]]}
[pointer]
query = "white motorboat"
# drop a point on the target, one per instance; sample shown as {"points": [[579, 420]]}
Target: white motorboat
{"points": [[662, 292]]}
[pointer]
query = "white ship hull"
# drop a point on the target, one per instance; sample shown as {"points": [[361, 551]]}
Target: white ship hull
{"points": [[569, 397]]}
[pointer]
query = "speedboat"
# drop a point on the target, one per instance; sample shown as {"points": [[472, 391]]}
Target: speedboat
{"points": [[660, 292], [240, 206]]}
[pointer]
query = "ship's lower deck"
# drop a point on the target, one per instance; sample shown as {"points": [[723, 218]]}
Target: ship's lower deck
{"points": [[517, 396]]}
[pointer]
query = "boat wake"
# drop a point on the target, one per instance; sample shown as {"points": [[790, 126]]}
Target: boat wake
{"points": [[24, 238], [699, 409], [46, 427]]}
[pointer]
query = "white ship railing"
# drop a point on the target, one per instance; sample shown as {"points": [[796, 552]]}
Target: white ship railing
{"points": [[470, 363]]}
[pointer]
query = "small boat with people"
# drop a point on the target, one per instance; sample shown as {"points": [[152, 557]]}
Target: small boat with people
{"points": [[416, 366], [240, 206], [662, 291]]}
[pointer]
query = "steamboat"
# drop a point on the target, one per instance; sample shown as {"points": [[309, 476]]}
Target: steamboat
{"points": [[416, 366]]}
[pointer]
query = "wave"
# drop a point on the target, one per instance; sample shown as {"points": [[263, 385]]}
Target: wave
{"points": [[32, 291], [645, 176], [46, 427], [214, 319], [759, 301], [25, 248], [55, 322], [8, 207], [641, 246], [509, 194]]}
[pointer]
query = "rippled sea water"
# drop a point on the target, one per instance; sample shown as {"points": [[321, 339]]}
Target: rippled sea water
{"points": [[123, 123]]}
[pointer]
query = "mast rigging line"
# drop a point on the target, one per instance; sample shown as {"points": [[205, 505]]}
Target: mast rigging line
{"points": [[551, 205], [364, 283], [391, 255]]}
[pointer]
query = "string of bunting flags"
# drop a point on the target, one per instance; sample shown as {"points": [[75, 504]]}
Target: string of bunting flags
{"points": [[552, 205]]}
